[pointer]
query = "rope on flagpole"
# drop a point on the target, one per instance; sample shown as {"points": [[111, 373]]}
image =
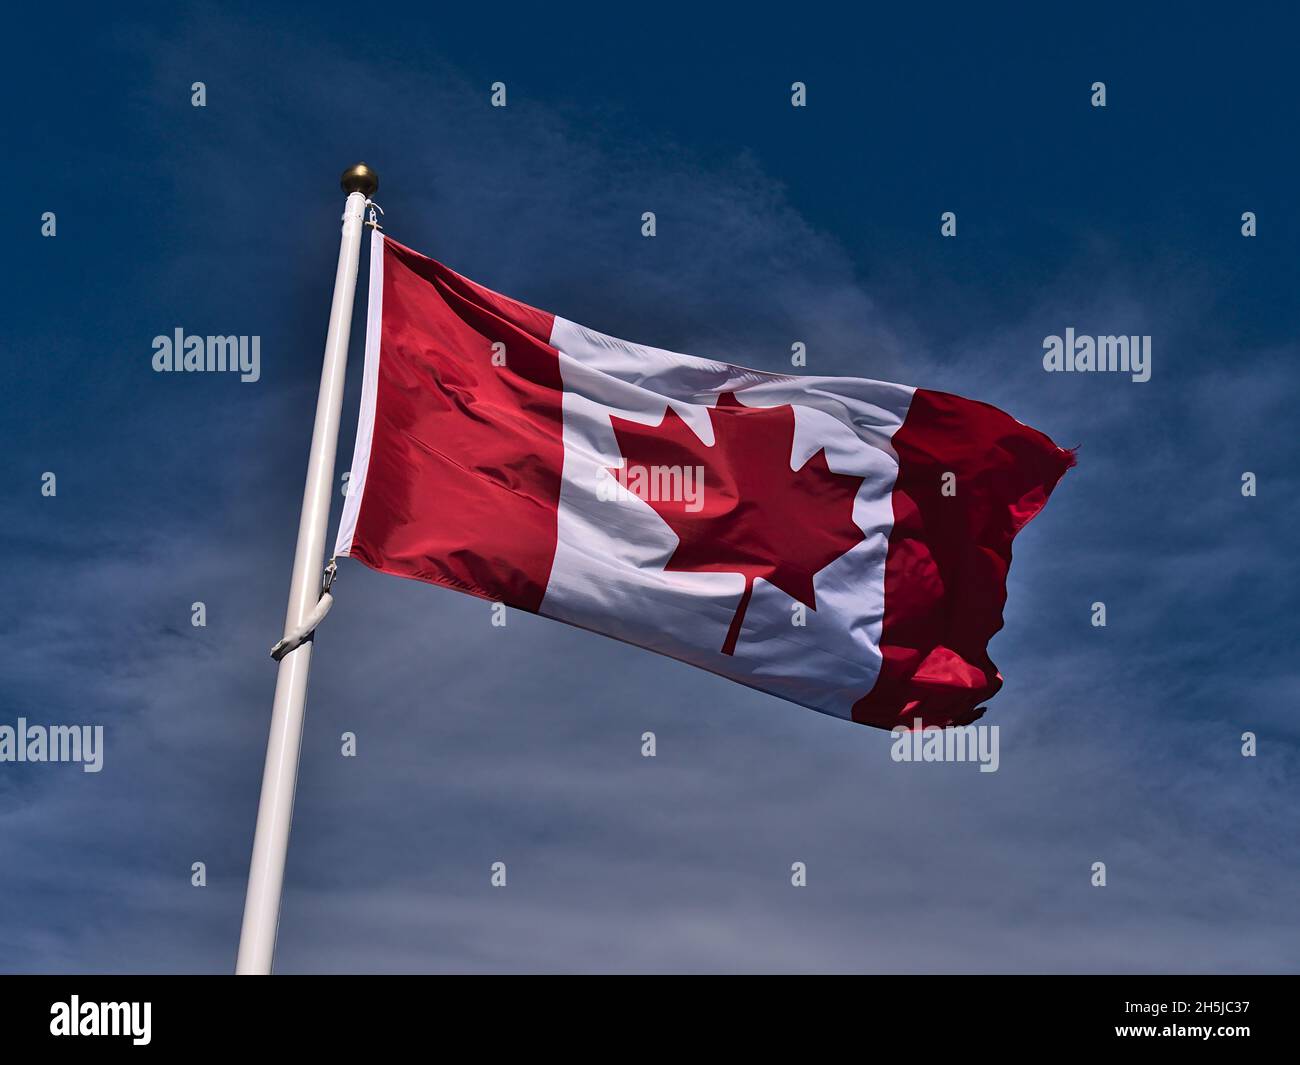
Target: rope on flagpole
{"points": [[304, 632], [300, 635], [315, 616]]}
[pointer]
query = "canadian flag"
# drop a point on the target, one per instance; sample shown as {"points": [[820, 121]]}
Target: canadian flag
{"points": [[838, 542]]}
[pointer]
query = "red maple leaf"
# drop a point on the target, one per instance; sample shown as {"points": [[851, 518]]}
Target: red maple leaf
{"points": [[755, 515]]}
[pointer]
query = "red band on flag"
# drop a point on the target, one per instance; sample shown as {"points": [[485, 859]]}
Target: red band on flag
{"points": [[946, 569], [464, 477]]}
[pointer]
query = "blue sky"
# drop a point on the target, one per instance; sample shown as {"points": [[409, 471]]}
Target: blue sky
{"points": [[478, 744]]}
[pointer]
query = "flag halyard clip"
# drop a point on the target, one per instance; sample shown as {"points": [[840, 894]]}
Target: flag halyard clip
{"points": [[372, 221], [304, 632]]}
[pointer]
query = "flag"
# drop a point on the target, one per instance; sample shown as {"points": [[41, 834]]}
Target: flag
{"points": [[838, 542]]}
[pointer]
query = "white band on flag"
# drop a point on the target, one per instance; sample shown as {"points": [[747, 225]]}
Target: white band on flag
{"points": [[369, 388]]}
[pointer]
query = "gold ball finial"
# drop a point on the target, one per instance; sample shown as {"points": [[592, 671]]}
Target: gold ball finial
{"points": [[360, 178]]}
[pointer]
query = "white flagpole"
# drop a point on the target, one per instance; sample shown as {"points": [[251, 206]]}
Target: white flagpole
{"points": [[275, 810]]}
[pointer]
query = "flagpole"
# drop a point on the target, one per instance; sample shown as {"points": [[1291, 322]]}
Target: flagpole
{"points": [[280, 776]]}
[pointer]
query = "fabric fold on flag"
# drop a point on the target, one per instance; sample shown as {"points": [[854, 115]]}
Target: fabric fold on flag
{"points": [[838, 542]]}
